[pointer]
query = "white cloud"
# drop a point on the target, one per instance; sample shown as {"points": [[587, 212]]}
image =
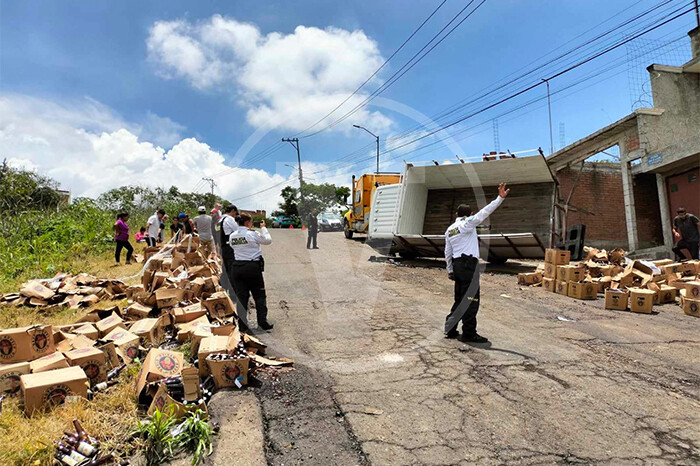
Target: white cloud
{"points": [[284, 81], [161, 130], [89, 149]]}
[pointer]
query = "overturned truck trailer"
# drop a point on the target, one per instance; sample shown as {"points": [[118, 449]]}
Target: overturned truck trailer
{"points": [[410, 218]]}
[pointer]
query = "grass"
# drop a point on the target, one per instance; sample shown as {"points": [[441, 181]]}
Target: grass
{"points": [[110, 417]]}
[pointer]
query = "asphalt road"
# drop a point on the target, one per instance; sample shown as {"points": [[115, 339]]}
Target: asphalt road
{"points": [[563, 381]]}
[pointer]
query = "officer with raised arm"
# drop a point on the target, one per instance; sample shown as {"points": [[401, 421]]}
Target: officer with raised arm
{"points": [[248, 269], [462, 257]]}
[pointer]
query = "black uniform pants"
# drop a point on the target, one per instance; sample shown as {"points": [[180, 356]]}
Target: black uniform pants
{"points": [[467, 292], [312, 234], [248, 280], [150, 241]]}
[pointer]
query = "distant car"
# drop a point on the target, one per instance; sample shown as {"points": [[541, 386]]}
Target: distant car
{"points": [[284, 222], [328, 221]]}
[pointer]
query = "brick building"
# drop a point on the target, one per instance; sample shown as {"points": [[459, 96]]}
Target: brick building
{"points": [[631, 204]]}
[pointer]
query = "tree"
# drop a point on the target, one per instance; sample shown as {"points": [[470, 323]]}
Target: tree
{"points": [[289, 206], [341, 194]]}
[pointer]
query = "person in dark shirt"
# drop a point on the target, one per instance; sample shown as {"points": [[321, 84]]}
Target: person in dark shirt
{"points": [[175, 228], [685, 231], [312, 225]]}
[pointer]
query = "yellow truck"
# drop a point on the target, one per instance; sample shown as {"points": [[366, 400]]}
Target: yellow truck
{"points": [[357, 217]]}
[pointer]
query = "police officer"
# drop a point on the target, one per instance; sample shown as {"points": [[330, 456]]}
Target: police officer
{"points": [[312, 223], [462, 257], [248, 269], [227, 225]]}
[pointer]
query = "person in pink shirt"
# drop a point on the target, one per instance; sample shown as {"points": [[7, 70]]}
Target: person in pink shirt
{"points": [[141, 235], [121, 237]]}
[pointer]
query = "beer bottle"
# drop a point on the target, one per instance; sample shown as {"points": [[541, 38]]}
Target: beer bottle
{"points": [[83, 447], [92, 441], [65, 459], [115, 372], [98, 461], [104, 385], [66, 450], [79, 430]]}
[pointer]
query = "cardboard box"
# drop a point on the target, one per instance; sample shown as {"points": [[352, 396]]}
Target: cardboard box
{"points": [[550, 270], [690, 306], [603, 283], [561, 287], [557, 256], [186, 330], [226, 372], [199, 333], [110, 352], [138, 311], [169, 297], [570, 273], [92, 361], [9, 377], [35, 289], [616, 299], [88, 330], [641, 300], [680, 269], [126, 343], [149, 251], [171, 407], [148, 330], [667, 294], [198, 271], [52, 361], [158, 280], [692, 289], [531, 278], [108, 324], [51, 388], [75, 341], [25, 343], [219, 305], [190, 380], [548, 284], [212, 345], [157, 365], [582, 290], [188, 314]]}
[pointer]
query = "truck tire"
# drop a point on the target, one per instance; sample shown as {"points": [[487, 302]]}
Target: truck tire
{"points": [[497, 260], [408, 254], [346, 229]]}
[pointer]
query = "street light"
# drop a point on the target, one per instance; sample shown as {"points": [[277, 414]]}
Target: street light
{"points": [[376, 137]]}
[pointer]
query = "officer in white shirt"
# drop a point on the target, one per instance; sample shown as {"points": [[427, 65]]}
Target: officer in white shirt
{"points": [[153, 227], [248, 269], [462, 257], [227, 225]]}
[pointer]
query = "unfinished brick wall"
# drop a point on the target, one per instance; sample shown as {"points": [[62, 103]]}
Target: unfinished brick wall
{"points": [[599, 190]]}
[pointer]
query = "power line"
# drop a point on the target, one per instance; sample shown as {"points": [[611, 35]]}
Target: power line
{"points": [[398, 74]]}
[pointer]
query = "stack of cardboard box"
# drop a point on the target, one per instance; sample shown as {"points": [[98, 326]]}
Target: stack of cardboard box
{"points": [[635, 285], [178, 299]]}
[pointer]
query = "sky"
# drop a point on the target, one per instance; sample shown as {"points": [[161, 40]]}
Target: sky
{"points": [[103, 94]]}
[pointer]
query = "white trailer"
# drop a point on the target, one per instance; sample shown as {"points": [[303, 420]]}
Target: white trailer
{"points": [[410, 218]]}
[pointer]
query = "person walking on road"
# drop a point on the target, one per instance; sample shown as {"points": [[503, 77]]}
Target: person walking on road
{"points": [[227, 226], [312, 225], [202, 224], [153, 227], [248, 270], [462, 257], [685, 231], [121, 237]]}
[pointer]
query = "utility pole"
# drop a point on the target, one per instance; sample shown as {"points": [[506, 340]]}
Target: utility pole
{"points": [[295, 142], [549, 107], [376, 137], [211, 182], [697, 13]]}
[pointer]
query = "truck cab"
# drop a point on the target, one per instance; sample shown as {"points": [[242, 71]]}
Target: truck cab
{"points": [[356, 219]]}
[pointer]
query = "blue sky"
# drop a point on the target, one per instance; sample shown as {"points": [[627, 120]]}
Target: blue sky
{"points": [[106, 69]]}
